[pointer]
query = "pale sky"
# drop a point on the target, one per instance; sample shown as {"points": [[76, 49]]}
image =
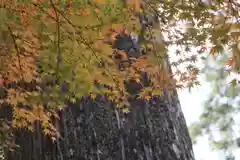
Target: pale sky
{"points": [[192, 106]]}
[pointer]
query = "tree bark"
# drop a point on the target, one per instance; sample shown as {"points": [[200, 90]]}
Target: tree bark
{"points": [[152, 131]]}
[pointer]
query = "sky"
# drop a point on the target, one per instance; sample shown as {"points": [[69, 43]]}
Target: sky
{"points": [[192, 104], [192, 107]]}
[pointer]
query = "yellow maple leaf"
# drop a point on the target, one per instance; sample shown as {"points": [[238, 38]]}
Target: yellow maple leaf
{"points": [[212, 52], [126, 110]]}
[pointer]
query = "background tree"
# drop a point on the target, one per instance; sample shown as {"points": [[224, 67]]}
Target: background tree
{"points": [[221, 109]]}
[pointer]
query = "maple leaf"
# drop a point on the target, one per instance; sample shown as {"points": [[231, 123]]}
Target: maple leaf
{"points": [[229, 62], [212, 52], [125, 110], [148, 98], [51, 12], [1, 80]]}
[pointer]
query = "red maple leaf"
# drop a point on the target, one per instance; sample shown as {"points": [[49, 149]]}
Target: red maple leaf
{"points": [[229, 62]]}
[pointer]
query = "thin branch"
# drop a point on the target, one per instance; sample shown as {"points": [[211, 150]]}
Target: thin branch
{"points": [[59, 57], [84, 41], [17, 50], [59, 60]]}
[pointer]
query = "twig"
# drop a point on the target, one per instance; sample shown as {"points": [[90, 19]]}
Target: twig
{"points": [[59, 57], [17, 50]]}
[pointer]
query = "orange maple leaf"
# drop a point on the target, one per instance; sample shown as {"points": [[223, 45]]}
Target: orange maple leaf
{"points": [[212, 52], [1, 80], [148, 98], [229, 62], [51, 12]]}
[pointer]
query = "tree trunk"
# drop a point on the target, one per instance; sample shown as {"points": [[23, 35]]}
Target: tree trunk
{"points": [[96, 130], [152, 131]]}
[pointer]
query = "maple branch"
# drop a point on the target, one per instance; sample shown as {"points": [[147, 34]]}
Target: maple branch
{"points": [[235, 3], [59, 57], [235, 13], [17, 50], [85, 42]]}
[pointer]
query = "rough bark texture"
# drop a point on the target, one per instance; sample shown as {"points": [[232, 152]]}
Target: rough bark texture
{"points": [[96, 130]]}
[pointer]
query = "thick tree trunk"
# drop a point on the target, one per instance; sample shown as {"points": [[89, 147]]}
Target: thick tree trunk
{"points": [[96, 130], [91, 130]]}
